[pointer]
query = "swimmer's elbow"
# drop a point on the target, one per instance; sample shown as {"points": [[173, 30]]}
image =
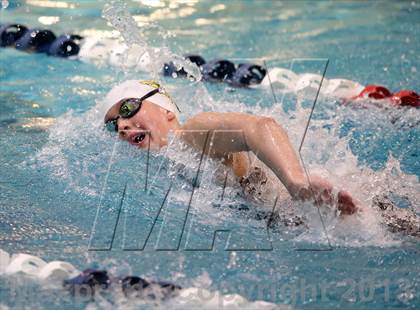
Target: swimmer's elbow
{"points": [[264, 121], [269, 123]]}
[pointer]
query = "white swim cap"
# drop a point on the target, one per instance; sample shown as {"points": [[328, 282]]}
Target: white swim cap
{"points": [[137, 89]]}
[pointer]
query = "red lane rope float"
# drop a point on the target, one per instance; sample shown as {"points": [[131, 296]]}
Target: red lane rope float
{"points": [[374, 92], [406, 98], [400, 98]]}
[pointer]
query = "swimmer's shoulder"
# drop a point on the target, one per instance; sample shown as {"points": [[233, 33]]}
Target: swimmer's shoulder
{"points": [[217, 133], [219, 120]]}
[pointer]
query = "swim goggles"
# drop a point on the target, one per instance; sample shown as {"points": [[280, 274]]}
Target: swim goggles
{"points": [[128, 108]]}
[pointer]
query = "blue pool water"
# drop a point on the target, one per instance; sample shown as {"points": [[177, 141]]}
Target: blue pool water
{"points": [[55, 158]]}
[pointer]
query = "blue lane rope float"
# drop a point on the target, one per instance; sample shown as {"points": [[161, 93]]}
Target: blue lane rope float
{"points": [[90, 280], [248, 74], [65, 45], [10, 33], [218, 70], [221, 70], [36, 40], [169, 69], [39, 40]]}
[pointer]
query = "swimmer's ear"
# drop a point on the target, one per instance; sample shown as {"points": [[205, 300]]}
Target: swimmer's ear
{"points": [[170, 115]]}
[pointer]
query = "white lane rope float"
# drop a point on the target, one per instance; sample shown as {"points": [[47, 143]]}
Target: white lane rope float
{"points": [[288, 81], [35, 267]]}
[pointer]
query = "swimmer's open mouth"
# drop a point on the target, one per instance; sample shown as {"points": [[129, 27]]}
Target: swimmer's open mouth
{"points": [[138, 138]]}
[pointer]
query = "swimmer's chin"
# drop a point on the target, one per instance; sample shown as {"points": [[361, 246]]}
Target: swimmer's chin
{"points": [[139, 145]]}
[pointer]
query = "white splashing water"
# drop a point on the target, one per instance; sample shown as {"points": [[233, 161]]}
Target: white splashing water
{"points": [[139, 43]]}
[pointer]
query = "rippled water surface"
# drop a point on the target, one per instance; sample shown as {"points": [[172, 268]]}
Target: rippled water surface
{"points": [[58, 165]]}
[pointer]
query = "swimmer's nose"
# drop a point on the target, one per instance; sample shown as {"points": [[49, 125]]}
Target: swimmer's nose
{"points": [[123, 128], [123, 132]]}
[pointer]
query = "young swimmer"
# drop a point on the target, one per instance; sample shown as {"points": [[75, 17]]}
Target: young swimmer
{"points": [[143, 114]]}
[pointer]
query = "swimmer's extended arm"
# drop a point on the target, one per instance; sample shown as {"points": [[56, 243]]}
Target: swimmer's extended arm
{"points": [[223, 134], [227, 133]]}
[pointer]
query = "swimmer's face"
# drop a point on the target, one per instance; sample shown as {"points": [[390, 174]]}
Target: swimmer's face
{"points": [[149, 126]]}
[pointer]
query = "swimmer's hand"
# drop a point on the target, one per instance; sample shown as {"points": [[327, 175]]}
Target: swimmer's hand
{"points": [[321, 192], [346, 204]]}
